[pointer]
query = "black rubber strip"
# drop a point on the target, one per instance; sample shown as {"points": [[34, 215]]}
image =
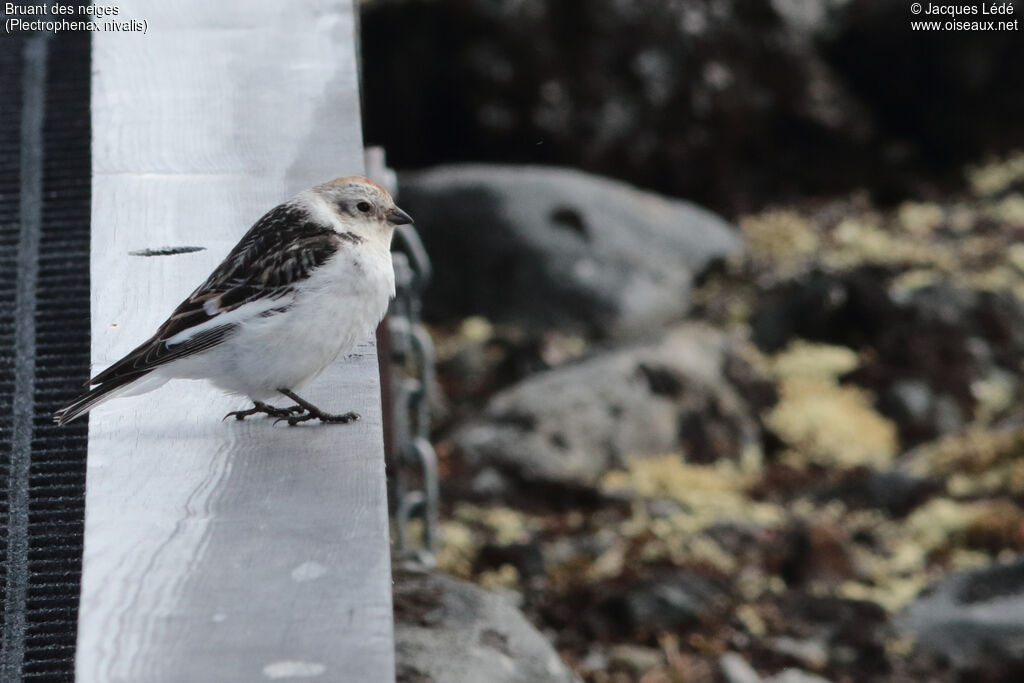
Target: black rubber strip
{"points": [[30, 212], [45, 195], [56, 513]]}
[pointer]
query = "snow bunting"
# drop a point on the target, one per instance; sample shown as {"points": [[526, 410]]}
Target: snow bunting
{"points": [[310, 280]]}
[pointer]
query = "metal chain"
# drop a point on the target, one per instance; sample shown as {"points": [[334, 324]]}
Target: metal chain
{"points": [[414, 481]]}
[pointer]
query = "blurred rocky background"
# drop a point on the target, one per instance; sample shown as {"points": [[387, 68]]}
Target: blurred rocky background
{"points": [[729, 312], [730, 103]]}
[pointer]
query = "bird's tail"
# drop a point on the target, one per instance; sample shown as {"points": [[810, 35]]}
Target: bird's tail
{"points": [[125, 385]]}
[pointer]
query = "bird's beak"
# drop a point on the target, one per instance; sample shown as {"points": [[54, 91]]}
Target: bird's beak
{"points": [[398, 217]]}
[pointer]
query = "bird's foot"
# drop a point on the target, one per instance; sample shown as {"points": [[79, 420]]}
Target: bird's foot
{"points": [[284, 412], [293, 420], [260, 407], [308, 411]]}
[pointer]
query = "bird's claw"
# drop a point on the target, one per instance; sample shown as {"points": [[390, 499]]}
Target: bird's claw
{"points": [[293, 420], [240, 414]]}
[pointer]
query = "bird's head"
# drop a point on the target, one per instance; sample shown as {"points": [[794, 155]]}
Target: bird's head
{"points": [[362, 206]]}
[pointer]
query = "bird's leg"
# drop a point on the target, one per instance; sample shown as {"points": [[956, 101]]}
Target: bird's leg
{"points": [[312, 412], [260, 407]]}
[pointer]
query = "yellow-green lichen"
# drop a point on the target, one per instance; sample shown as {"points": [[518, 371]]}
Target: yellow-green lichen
{"points": [[706, 495], [859, 240], [781, 237], [977, 462], [824, 422], [920, 219], [997, 175]]}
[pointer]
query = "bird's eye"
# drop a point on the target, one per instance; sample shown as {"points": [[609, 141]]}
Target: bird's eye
{"points": [[364, 207]]}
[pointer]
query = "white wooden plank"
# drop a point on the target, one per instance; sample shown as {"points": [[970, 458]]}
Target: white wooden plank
{"points": [[224, 551]]}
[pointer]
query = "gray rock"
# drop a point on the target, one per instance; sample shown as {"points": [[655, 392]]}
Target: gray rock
{"points": [[811, 652], [666, 602], [595, 660], [634, 659], [735, 669], [973, 619], [450, 631], [796, 676], [570, 425], [559, 248]]}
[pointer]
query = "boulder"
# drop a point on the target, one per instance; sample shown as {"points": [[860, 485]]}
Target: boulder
{"points": [[974, 620], [451, 631], [571, 425], [557, 248]]}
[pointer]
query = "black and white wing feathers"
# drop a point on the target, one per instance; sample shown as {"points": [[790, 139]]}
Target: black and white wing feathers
{"points": [[281, 250]]}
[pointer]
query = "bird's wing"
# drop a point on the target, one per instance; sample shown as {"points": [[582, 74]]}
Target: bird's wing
{"points": [[256, 279]]}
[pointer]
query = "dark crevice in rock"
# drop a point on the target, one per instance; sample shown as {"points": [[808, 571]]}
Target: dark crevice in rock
{"points": [[661, 381], [570, 220]]}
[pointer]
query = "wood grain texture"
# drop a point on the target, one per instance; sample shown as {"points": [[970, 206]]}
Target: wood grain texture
{"points": [[224, 551]]}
